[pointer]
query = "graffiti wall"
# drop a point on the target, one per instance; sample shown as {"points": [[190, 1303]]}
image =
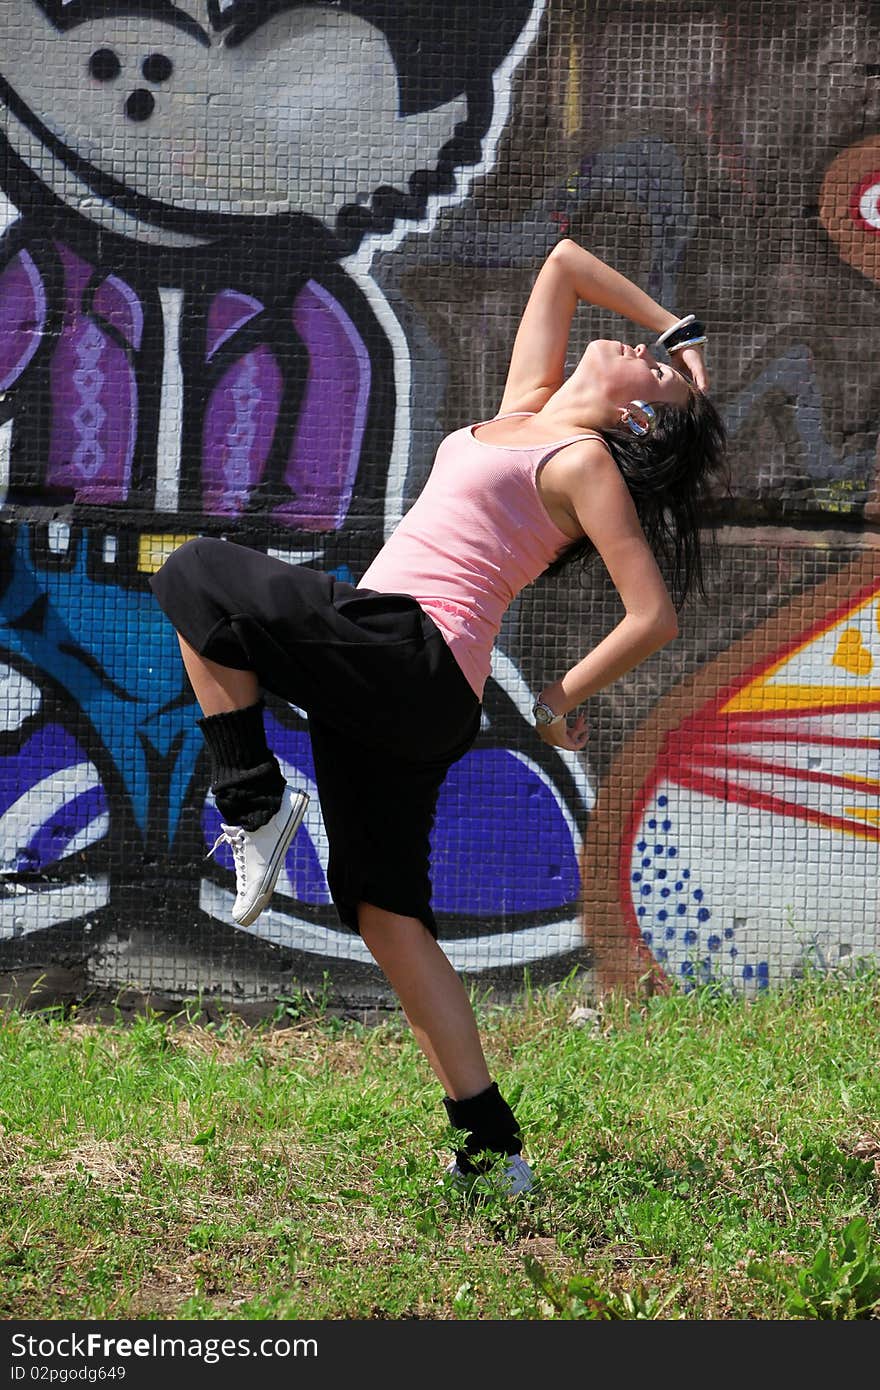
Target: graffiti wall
{"points": [[256, 258]]}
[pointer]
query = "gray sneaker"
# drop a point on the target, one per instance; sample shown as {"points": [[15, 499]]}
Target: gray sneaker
{"points": [[259, 854], [517, 1177]]}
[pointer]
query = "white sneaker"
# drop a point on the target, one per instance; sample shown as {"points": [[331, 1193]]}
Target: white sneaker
{"points": [[259, 854], [516, 1178]]}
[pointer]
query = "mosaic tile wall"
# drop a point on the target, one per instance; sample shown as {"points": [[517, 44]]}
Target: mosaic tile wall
{"points": [[256, 258]]}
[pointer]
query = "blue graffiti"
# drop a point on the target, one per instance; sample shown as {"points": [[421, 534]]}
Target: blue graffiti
{"points": [[115, 655]]}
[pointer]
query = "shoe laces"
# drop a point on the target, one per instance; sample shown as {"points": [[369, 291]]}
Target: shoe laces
{"points": [[234, 837]]}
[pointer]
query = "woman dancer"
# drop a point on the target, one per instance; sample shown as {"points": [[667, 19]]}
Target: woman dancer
{"points": [[614, 459]]}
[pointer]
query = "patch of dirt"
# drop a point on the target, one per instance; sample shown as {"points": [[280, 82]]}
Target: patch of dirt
{"points": [[105, 1164], [867, 1148]]}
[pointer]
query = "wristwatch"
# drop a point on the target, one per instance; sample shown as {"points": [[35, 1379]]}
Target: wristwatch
{"points": [[544, 715]]}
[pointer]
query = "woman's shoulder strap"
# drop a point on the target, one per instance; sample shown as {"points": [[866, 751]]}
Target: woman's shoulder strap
{"points": [[508, 415], [574, 439]]}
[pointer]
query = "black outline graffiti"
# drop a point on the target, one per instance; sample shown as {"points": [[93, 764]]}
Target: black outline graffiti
{"points": [[69, 16]]}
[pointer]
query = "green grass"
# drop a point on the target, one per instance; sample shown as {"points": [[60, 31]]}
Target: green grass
{"points": [[699, 1156]]}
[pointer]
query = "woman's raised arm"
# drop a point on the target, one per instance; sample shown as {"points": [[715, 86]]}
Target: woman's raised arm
{"points": [[537, 363], [571, 275]]}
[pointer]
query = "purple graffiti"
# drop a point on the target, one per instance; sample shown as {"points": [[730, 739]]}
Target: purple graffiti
{"points": [[94, 393], [22, 316], [242, 413], [501, 843], [229, 312], [324, 459], [93, 410], [49, 797], [239, 428]]}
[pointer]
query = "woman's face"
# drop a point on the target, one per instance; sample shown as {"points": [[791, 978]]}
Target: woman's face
{"points": [[622, 374]]}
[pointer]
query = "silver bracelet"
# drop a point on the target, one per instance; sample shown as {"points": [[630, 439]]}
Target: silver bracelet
{"points": [[674, 327], [689, 342]]}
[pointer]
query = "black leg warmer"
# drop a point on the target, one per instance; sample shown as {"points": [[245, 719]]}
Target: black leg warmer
{"points": [[491, 1126], [245, 777]]}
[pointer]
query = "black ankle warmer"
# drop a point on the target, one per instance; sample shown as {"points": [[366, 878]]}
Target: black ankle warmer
{"points": [[245, 777], [490, 1122]]}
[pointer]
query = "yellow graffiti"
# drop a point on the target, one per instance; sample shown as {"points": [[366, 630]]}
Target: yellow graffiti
{"points": [[841, 644], [153, 550], [833, 498], [852, 654], [572, 118], [776, 698], [861, 813]]}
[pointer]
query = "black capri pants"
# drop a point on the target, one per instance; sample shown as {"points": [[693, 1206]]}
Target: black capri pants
{"points": [[389, 708]]}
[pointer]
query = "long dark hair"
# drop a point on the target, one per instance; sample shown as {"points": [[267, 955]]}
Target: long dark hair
{"points": [[670, 475]]}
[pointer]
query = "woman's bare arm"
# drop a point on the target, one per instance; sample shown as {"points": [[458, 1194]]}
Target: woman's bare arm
{"points": [[571, 275], [608, 516], [537, 363]]}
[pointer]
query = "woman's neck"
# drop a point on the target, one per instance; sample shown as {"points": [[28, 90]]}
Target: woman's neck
{"points": [[572, 410]]}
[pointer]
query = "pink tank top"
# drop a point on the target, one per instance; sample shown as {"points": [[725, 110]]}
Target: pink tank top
{"points": [[476, 536]]}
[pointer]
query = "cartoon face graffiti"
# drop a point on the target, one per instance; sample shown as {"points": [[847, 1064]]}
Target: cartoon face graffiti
{"points": [[280, 132], [168, 121], [236, 150]]}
